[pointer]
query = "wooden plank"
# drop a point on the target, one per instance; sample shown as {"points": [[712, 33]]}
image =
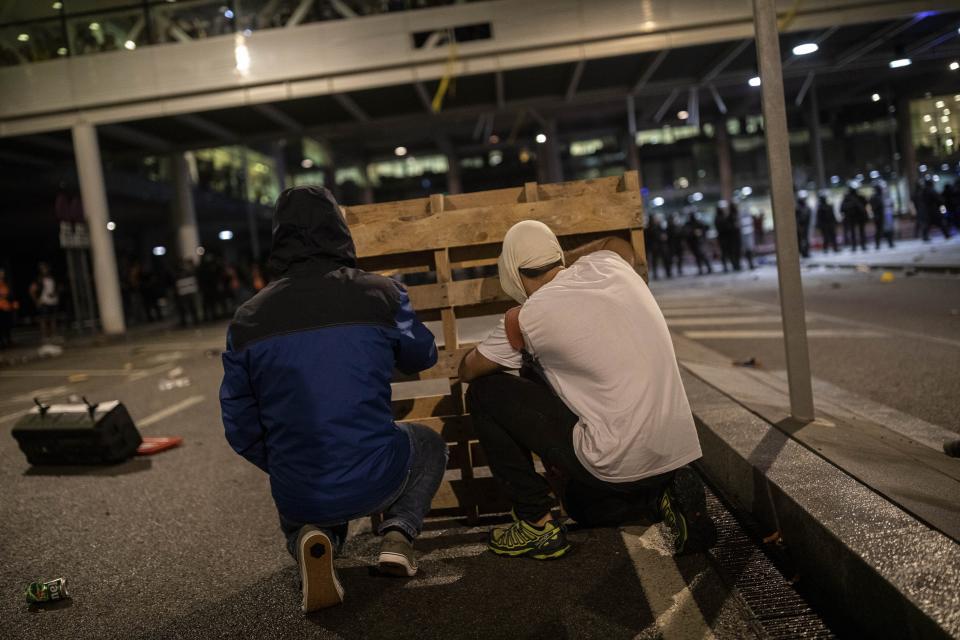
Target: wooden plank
{"points": [[397, 210], [509, 195], [484, 225], [578, 188], [530, 192], [639, 251], [452, 428], [415, 408], [456, 294]]}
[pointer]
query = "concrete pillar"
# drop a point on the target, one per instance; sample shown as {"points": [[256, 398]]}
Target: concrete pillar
{"points": [[550, 168], [185, 215], [724, 160], [279, 152], [93, 193], [454, 184], [816, 141], [908, 155]]}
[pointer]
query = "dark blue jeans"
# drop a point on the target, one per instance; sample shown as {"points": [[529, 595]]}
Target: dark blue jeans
{"points": [[405, 508]]}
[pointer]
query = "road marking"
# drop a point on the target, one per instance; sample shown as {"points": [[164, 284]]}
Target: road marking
{"points": [[15, 414], [100, 373], [668, 594], [712, 310], [36, 393], [755, 334], [169, 411], [714, 320]]}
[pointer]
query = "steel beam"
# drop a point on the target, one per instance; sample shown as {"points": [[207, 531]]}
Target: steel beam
{"points": [[129, 134], [725, 61], [575, 80], [212, 128], [424, 96], [278, 117], [649, 71], [501, 91], [784, 214], [351, 107], [662, 111], [876, 39]]}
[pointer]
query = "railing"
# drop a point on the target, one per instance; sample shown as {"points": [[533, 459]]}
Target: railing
{"points": [[38, 30]]}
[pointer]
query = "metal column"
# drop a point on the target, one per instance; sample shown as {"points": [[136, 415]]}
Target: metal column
{"points": [[784, 215], [188, 237], [816, 141], [93, 193], [724, 160]]}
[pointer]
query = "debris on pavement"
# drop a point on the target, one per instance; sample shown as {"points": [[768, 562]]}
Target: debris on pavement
{"points": [[752, 363], [176, 383], [38, 591], [863, 268], [156, 444], [887, 276]]}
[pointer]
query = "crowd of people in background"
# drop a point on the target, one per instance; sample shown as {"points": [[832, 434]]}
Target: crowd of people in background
{"points": [[734, 235], [207, 291]]}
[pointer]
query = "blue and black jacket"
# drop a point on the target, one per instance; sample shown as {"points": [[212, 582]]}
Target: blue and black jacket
{"points": [[308, 365]]}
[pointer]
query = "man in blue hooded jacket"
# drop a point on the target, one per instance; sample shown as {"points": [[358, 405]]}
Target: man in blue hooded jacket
{"points": [[306, 395]]}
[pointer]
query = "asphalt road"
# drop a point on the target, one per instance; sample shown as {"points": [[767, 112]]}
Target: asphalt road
{"points": [[185, 544], [895, 343]]}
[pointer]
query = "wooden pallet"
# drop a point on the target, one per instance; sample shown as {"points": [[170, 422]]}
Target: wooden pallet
{"points": [[434, 238]]}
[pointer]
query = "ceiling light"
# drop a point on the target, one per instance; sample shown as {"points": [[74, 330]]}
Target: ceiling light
{"points": [[657, 202], [226, 234], [159, 251], [94, 26], [954, 65], [927, 117], [23, 37], [111, 225], [944, 118], [682, 115], [875, 97], [805, 48], [939, 104], [746, 191], [541, 138], [754, 81], [57, 6], [129, 45], [933, 129], [400, 152], [306, 163], [900, 62], [241, 55], [62, 51]]}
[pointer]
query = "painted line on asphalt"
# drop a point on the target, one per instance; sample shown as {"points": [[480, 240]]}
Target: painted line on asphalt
{"points": [[677, 615], [721, 320], [36, 393], [154, 418], [712, 310], [759, 334], [15, 414]]}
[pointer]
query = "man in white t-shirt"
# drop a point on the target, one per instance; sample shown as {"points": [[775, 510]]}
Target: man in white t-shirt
{"points": [[599, 398]]}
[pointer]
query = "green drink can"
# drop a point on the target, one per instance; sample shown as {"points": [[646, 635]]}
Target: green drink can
{"points": [[49, 591]]}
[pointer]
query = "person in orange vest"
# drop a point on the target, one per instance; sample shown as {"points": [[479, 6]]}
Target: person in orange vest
{"points": [[8, 305]]}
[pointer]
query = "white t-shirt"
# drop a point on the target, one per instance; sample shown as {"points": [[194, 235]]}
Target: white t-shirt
{"points": [[606, 351]]}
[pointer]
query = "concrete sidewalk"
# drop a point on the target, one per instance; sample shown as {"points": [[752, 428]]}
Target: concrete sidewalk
{"points": [[862, 499], [939, 255]]}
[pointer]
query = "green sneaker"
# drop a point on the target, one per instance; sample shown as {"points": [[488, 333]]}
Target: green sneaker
{"points": [[523, 539], [683, 506]]}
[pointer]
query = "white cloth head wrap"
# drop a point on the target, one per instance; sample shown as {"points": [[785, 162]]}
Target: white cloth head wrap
{"points": [[527, 245]]}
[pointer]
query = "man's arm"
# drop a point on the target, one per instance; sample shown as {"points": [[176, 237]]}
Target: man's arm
{"points": [[240, 411], [416, 349], [475, 365], [618, 245]]}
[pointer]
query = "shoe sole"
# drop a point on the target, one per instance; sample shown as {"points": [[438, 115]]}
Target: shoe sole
{"points": [[321, 588], [531, 553], [691, 500], [396, 564]]}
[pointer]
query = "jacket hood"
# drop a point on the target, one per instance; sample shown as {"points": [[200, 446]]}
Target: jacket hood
{"points": [[309, 228]]}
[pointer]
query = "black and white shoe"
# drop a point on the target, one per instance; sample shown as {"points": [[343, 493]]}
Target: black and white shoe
{"points": [[396, 556], [321, 587], [683, 506]]}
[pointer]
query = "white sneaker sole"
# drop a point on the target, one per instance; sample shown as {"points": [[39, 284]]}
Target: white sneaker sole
{"points": [[396, 564], [321, 588]]}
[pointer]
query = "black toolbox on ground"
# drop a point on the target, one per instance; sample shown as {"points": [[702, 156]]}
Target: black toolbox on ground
{"points": [[77, 434]]}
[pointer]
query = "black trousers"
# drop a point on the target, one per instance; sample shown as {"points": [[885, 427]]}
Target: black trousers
{"points": [[516, 416]]}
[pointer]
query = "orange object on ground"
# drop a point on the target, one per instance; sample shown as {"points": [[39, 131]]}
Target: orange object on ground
{"points": [[151, 446]]}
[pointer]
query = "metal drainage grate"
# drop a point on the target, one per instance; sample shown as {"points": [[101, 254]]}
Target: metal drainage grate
{"points": [[778, 608]]}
